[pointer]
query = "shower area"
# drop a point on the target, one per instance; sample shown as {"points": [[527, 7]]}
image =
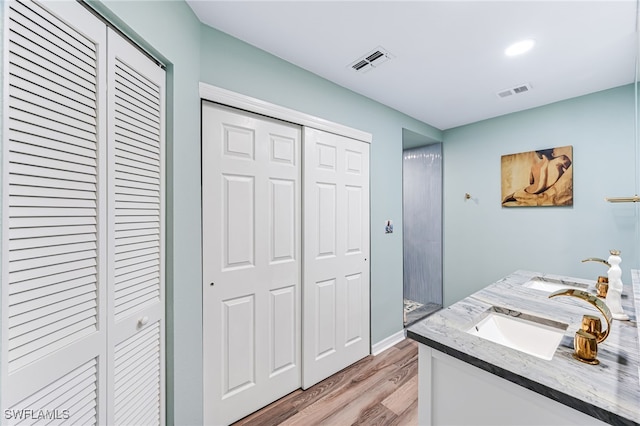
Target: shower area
{"points": [[422, 231]]}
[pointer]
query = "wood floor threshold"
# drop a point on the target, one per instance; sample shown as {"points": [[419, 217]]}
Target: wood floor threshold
{"points": [[377, 390]]}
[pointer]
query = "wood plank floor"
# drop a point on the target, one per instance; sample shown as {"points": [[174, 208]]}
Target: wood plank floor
{"points": [[380, 390]]}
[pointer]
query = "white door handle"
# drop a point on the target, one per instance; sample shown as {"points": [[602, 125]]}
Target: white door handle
{"points": [[143, 321]]}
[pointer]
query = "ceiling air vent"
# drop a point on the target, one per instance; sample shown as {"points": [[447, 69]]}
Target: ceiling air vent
{"points": [[522, 88], [358, 66], [371, 60]]}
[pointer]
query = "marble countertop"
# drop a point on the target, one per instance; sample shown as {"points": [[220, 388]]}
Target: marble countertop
{"points": [[609, 391]]}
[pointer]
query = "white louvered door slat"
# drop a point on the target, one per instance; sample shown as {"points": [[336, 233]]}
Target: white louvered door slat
{"points": [[78, 303], [72, 281], [42, 192], [52, 286], [29, 99], [136, 303], [34, 144], [69, 98], [76, 121], [51, 238]]}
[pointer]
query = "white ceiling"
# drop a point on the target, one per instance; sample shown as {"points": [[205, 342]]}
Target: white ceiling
{"points": [[448, 60]]}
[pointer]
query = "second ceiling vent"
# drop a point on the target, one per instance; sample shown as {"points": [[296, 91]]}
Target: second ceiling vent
{"points": [[521, 88], [373, 59]]}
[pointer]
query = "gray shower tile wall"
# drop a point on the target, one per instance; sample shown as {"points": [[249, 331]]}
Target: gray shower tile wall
{"points": [[422, 224]]}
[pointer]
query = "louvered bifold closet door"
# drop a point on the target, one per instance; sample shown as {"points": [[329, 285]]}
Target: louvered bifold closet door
{"points": [[53, 325], [136, 205]]}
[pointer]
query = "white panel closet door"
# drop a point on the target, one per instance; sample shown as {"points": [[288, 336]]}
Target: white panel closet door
{"points": [[336, 254], [251, 261], [53, 238], [136, 236]]}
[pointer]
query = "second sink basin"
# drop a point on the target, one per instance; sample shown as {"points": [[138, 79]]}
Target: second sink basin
{"points": [[527, 333], [550, 285]]}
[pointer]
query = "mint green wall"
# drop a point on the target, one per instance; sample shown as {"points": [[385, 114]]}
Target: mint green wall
{"points": [[484, 241], [193, 53], [229, 63]]}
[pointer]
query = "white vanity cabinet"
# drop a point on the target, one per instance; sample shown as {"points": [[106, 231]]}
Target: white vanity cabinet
{"points": [[453, 392]]}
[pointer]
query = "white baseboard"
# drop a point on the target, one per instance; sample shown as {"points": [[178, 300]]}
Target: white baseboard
{"points": [[385, 344]]}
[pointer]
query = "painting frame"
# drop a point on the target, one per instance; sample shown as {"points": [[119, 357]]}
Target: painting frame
{"points": [[540, 178]]}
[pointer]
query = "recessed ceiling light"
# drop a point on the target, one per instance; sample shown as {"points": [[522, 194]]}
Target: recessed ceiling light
{"points": [[519, 48]]}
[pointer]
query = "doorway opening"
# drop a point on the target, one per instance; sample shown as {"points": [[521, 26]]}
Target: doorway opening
{"points": [[422, 226]]}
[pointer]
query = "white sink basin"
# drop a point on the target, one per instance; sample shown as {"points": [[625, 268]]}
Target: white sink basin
{"points": [[550, 285], [529, 334]]}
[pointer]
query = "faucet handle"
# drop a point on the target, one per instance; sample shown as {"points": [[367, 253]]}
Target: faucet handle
{"points": [[592, 325], [602, 286], [585, 347]]}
